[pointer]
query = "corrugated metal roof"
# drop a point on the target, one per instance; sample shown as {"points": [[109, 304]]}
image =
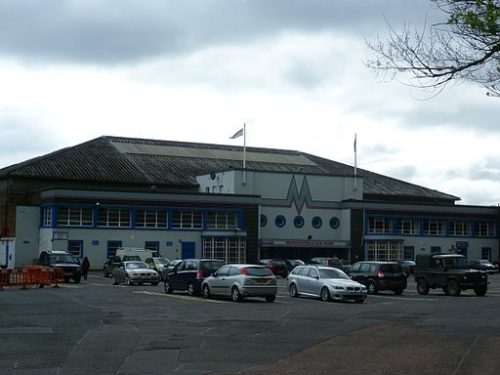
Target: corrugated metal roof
{"points": [[147, 161]]}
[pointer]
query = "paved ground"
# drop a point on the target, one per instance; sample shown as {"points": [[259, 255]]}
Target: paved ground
{"points": [[95, 327]]}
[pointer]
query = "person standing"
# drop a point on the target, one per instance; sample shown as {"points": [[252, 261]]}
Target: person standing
{"points": [[85, 267]]}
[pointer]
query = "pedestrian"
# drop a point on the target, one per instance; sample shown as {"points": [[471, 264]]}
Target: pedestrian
{"points": [[85, 267]]}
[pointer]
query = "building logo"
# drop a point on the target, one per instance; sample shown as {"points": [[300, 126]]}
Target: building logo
{"points": [[299, 199]]}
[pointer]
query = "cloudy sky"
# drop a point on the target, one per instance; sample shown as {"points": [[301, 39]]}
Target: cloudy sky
{"points": [[196, 70]]}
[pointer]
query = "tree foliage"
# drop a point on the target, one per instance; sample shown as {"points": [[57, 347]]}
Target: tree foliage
{"points": [[465, 47]]}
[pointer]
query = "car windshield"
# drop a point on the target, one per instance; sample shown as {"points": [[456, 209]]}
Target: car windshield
{"points": [[211, 265], [259, 271], [332, 274], [454, 262], [135, 265], [61, 258]]}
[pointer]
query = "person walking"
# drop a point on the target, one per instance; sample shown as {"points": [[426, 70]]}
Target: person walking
{"points": [[85, 267]]}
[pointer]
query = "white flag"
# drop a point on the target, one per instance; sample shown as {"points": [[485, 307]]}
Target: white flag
{"points": [[238, 134], [355, 142]]}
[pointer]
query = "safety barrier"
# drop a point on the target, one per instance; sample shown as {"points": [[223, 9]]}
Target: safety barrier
{"points": [[31, 275]]}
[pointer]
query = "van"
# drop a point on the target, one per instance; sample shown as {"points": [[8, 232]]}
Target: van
{"points": [[137, 251]]}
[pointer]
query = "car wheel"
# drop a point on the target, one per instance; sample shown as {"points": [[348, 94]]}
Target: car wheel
{"points": [[422, 287], [235, 294], [325, 294], [66, 279], [293, 291], [115, 282], [167, 287], [206, 291], [445, 290], [270, 298], [191, 290], [127, 281], [372, 287], [480, 290], [398, 291], [77, 279], [105, 272], [453, 288]]}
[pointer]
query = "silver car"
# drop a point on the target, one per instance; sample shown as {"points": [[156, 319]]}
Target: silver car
{"points": [[239, 281], [134, 272], [324, 282]]}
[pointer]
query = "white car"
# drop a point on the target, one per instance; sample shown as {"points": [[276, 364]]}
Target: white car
{"points": [[326, 283], [134, 272]]}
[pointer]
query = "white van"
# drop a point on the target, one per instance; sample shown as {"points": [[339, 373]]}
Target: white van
{"points": [[136, 251]]}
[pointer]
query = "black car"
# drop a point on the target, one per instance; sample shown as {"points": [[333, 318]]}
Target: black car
{"points": [[63, 260], [292, 263], [377, 276], [408, 266], [189, 274], [277, 266]]}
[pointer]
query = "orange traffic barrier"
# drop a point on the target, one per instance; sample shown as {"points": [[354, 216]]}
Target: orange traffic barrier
{"points": [[31, 275]]}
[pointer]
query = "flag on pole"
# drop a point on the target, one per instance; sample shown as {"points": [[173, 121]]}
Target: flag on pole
{"points": [[238, 134]]}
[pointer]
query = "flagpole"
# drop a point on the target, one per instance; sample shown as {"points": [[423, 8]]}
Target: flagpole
{"points": [[355, 160], [244, 153]]}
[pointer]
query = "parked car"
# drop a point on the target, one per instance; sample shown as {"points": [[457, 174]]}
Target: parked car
{"points": [[448, 272], [189, 274], [408, 266], [292, 263], [377, 276], [169, 268], [134, 272], [158, 264], [111, 264], [239, 281], [63, 260], [277, 266], [330, 262], [324, 282], [483, 265]]}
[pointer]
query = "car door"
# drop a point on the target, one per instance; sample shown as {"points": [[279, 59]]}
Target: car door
{"points": [[314, 281], [360, 272], [217, 282], [307, 284], [175, 276]]}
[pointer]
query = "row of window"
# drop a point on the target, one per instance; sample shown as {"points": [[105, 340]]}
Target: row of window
{"points": [[299, 221], [75, 247], [139, 218], [430, 227], [394, 251]]}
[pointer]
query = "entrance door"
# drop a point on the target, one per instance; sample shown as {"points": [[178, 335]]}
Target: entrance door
{"points": [[188, 250]]}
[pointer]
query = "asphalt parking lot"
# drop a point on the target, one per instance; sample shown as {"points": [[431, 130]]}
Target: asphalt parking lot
{"points": [[95, 327]]}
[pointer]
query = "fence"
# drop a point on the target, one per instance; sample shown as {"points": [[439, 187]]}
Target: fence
{"points": [[31, 275]]}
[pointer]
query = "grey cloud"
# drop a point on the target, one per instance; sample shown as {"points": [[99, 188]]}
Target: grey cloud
{"points": [[403, 172], [21, 139], [130, 30], [488, 169]]}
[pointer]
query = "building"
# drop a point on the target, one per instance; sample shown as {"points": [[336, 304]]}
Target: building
{"points": [[196, 200]]}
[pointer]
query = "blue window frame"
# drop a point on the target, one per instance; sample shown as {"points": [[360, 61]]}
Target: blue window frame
{"points": [[75, 247], [486, 253], [152, 245], [111, 248]]}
